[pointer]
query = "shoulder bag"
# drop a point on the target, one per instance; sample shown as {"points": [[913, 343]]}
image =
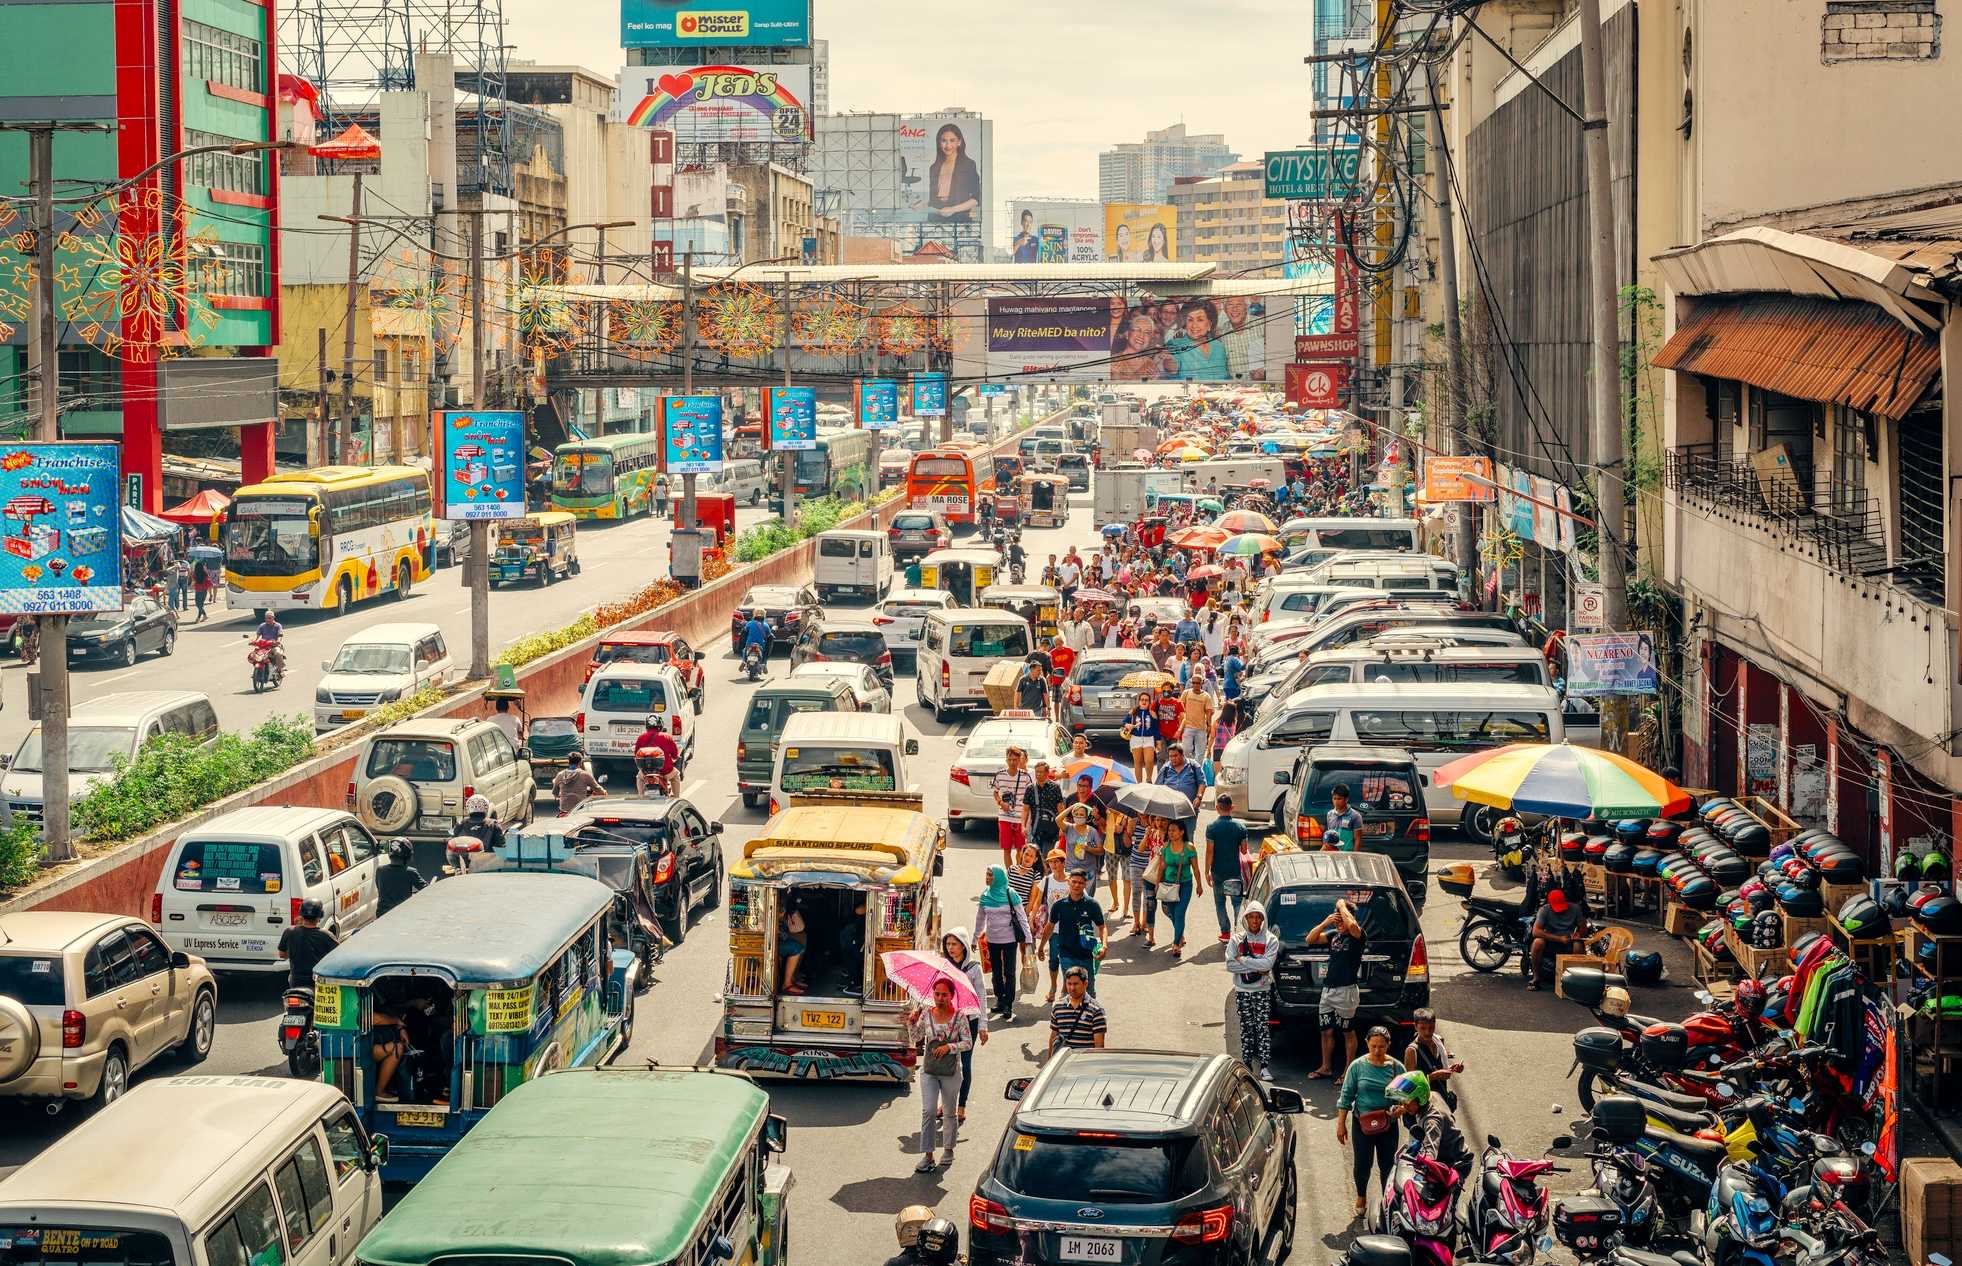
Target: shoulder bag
{"points": [[1154, 871], [948, 1065], [1371, 1123]]}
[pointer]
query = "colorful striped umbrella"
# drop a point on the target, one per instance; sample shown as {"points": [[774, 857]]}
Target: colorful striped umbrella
{"points": [[1248, 544], [1198, 537], [1561, 780], [1102, 770], [1245, 521]]}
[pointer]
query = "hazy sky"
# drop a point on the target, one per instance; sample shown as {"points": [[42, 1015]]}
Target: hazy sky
{"points": [[1061, 79]]}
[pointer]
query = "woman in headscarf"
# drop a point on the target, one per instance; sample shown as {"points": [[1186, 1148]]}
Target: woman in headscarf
{"points": [[1250, 955], [955, 947], [1002, 929]]}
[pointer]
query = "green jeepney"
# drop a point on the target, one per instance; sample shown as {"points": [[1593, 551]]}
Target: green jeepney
{"points": [[604, 1167]]}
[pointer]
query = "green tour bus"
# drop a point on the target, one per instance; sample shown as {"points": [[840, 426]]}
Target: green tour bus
{"points": [[608, 477], [604, 1167]]}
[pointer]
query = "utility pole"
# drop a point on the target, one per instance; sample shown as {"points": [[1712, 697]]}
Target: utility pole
{"points": [[479, 528], [53, 677], [1611, 490], [688, 377], [1450, 438], [322, 435], [345, 444], [789, 472]]}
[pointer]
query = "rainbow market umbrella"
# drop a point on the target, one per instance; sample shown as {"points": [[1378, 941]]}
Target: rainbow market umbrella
{"points": [[1561, 780], [1248, 544], [1244, 521]]}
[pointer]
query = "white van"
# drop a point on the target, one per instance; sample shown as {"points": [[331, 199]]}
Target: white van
{"points": [[1341, 532], [744, 480], [1436, 723], [852, 561], [377, 666], [617, 701], [840, 751], [101, 730], [201, 1171], [229, 888], [1388, 571], [1234, 472], [957, 648]]}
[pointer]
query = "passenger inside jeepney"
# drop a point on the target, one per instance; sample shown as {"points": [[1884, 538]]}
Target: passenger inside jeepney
{"points": [[821, 941], [412, 1039]]}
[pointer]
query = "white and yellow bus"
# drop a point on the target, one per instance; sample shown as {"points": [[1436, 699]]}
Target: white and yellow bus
{"points": [[329, 537]]}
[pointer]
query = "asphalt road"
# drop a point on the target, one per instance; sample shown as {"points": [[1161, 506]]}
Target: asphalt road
{"points": [[850, 1146]]}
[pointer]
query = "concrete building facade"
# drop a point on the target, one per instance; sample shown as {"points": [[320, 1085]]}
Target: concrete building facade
{"points": [[1143, 171], [1227, 219]]}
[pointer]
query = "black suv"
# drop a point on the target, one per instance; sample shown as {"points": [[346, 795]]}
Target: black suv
{"points": [[1140, 1158], [1384, 786], [1300, 889]]}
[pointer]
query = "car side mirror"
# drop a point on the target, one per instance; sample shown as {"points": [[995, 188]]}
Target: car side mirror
{"points": [[1016, 1088], [326, 665], [180, 960], [377, 1152], [1423, 779], [524, 753], [776, 1133], [1287, 1102], [6, 762], [939, 864], [1282, 777], [715, 828], [912, 747]]}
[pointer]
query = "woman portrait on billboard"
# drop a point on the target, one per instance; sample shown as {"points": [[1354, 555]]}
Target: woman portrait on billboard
{"points": [[953, 182], [1158, 246], [1200, 353], [1135, 351], [1120, 243]]}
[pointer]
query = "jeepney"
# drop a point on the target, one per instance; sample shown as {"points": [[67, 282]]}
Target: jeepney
{"points": [[605, 1167], [1040, 605], [859, 871], [1045, 500], [963, 572], [541, 547]]}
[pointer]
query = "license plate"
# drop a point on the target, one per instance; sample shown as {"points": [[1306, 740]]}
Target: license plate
{"points": [[231, 920], [822, 1019], [352, 714], [422, 1118], [1379, 828], [1081, 1248]]}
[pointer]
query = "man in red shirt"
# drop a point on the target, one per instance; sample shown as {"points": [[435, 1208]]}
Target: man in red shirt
{"points": [[657, 737], [1061, 656], [1171, 718]]}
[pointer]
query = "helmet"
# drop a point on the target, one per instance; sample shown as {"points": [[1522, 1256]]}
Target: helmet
{"points": [[1749, 996], [907, 1225], [654, 721], [940, 1243], [1411, 1087], [1614, 1001], [476, 804], [400, 850], [312, 911]]}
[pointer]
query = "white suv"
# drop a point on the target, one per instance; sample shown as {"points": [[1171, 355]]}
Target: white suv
{"points": [[614, 709], [377, 666], [412, 779]]}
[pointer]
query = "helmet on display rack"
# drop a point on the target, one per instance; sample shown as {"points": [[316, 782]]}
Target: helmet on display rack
{"points": [[1749, 996], [1411, 1087]]}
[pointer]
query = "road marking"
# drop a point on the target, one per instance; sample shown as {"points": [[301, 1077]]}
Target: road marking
{"points": [[461, 611], [688, 792], [128, 672]]}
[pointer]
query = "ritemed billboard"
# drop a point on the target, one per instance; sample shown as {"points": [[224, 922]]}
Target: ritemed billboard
{"points": [[1140, 233], [1096, 339], [716, 103], [694, 24]]}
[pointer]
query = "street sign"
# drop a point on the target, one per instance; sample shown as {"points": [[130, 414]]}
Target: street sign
{"points": [[1445, 479], [1315, 386], [1590, 602], [1322, 172], [1327, 346]]}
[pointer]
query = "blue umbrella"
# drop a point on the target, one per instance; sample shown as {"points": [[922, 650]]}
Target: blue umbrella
{"points": [[1113, 529]]}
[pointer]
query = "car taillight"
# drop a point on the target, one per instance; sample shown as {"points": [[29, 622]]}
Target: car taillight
{"points": [[984, 1214], [946, 678], [1205, 1226], [1420, 961], [883, 620], [1420, 830], [1308, 828], [578, 720], [664, 868], [742, 751], [74, 1029], [468, 791], [773, 806], [350, 794], [885, 657], [157, 908], [958, 774], [293, 911]]}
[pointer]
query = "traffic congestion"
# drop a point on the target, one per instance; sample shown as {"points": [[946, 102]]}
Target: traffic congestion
{"points": [[1138, 848]]}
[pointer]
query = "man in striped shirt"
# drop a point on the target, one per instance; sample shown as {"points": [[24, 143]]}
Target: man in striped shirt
{"points": [[1014, 789], [1078, 1019]]}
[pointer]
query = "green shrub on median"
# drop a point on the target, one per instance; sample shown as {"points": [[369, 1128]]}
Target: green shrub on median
{"points": [[173, 776]]}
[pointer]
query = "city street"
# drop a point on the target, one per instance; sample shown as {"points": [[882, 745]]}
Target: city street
{"points": [[615, 560], [846, 1141]]}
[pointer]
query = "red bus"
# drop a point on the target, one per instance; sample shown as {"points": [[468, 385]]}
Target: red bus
{"points": [[952, 478]]}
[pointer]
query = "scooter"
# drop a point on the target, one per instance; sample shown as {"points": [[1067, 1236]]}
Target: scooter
{"points": [[1509, 847], [753, 662], [1420, 1207], [299, 1041], [651, 771], [458, 850], [267, 669], [1494, 933], [1509, 1213]]}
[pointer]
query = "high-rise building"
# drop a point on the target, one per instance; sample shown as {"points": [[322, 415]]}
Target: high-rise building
{"points": [[168, 86], [820, 77], [1228, 220], [1143, 171]]}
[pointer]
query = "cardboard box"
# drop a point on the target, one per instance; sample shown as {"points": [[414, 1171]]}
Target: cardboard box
{"points": [[1680, 920], [1777, 481], [1931, 1207], [999, 684]]}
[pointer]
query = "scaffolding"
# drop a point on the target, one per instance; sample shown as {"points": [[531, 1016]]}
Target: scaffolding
{"points": [[354, 50]]}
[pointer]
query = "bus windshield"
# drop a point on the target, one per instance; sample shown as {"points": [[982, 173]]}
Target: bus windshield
{"points": [[812, 465], [583, 474], [270, 537]]}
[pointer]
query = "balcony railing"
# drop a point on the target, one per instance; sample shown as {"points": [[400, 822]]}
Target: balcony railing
{"points": [[1841, 523]]}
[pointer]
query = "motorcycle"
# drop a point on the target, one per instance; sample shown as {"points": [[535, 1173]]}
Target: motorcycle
{"points": [[753, 662], [1509, 1213], [458, 850], [299, 1041], [1509, 847], [651, 772], [1420, 1207], [1496, 932], [267, 669]]}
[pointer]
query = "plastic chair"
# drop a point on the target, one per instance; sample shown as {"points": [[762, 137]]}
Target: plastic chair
{"points": [[1611, 945]]}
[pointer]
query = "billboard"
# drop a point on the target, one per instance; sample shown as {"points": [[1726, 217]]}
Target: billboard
{"points": [[886, 176], [481, 463], [793, 419], [1140, 233], [940, 171], [695, 23], [62, 527], [1104, 339], [878, 404], [718, 102], [1611, 664], [929, 395], [1053, 232], [691, 430]]}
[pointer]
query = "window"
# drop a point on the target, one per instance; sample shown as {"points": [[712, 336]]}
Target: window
{"points": [[32, 982], [1114, 1171], [312, 868], [40, 1244], [1249, 1114], [220, 56], [345, 1144], [627, 694], [418, 760], [239, 173], [147, 957], [1300, 731], [232, 268], [106, 965], [292, 1203], [1469, 731], [249, 1235], [313, 1182], [1849, 460], [360, 844]]}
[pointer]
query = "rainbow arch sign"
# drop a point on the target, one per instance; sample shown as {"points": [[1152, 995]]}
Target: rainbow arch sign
{"points": [[720, 102]]}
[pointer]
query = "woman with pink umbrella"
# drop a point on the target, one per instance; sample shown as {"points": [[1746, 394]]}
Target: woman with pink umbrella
{"points": [[940, 1034]]}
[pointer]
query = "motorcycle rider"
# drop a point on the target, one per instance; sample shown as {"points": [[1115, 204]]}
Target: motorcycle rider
{"points": [[271, 630], [907, 1228], [304, 944], [656, 736], [396, 880], [479, 825], [1434, 1131], [757, 633]]}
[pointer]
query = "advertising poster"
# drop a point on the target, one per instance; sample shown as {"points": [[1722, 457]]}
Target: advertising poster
{"points": [[1315, 386], [1097, 339], [691, 427], [929, 395], [63, 528], [719, 102], [483, 464], [1056, 232], [1445, 478], [1546, 521], [940, 171], [1140, 233], [793, 419], [1613, 664], [693, 23], [878, 403]]}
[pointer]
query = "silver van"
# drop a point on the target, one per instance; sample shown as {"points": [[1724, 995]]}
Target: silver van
{"points": [[101, 730], [745, 480]]}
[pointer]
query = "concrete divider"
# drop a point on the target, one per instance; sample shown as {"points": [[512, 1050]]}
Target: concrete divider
{"points": [[121, 881]]}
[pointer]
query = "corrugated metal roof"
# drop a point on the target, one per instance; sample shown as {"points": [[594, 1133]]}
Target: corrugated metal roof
{"points": [[1853, 354], [973, 274]]}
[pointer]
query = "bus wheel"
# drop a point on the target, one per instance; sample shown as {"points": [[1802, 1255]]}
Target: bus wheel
{"points": [[346, 595], [404, 576]]}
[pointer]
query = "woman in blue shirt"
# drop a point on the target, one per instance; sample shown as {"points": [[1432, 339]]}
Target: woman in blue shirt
{"points": [[1141, 728], [1200, 355]]}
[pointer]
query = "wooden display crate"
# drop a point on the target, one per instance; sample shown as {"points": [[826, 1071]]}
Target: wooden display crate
{"points": [[1709, 970], [1634, 896], [1837, 895], [1874, 956], [1947, 963], [1764, 964], [1796, 926]]}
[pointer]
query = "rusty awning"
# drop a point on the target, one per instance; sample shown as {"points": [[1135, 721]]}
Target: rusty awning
{"points": [[1842, 352]]}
